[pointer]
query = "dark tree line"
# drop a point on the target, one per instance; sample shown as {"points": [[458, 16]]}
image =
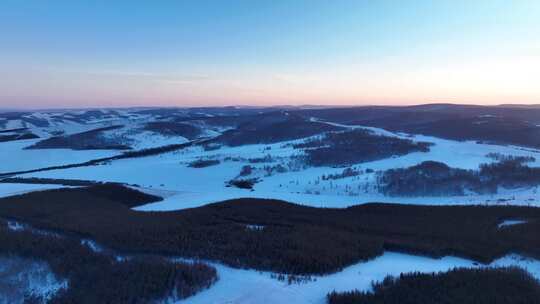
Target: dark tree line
{"points": [[429, 178], [17, 130], [53, 181], [510, 173], [203, 163], [273, 128], [499, 124], [464, 286], [12, 137], [169, 128], [347, 172], [87, 140], [296, 239], [432, 178], [356, 146]]}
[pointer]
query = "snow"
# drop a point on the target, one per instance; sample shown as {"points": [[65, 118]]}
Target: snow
{"points": [[507, 223], [15, 158], [9, 189], [531, 265], [92, 245], [255, 227], [21, 226], [15, 124], [240, 286], [189, 187], [15, 226], [21, 277]]}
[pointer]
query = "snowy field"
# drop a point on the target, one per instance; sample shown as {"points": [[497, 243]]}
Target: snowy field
{"points": [[188, 187], [15, 158], [237, 286]]}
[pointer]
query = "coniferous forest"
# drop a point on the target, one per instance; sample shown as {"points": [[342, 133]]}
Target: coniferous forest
{"points": [[464, 286], [101, 277], [295, 239]]}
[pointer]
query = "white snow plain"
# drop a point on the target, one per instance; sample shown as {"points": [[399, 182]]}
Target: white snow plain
{"points": [[193, 187], [15, 158]]}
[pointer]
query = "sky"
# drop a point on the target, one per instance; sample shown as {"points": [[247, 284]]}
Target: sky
{"points": [[75, 53]]}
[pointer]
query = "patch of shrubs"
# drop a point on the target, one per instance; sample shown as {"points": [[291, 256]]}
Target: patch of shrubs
{"points": [[464, 286], [270, 170], [295, 240], [266, 159], [356, 146], [347, 172], [203, 163], [246, 170], [101, 278], [432, 178], [246, 183], [503, 157], [292, 279], [512, 173]]}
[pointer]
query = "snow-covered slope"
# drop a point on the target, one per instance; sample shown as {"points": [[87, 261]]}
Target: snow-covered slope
{"points": [[237, 286]]}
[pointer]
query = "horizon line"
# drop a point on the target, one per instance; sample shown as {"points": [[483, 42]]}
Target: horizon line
{"points": [[278, 106]]}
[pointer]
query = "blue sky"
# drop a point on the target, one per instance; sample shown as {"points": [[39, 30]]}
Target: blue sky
{"points": [[122, 53]]}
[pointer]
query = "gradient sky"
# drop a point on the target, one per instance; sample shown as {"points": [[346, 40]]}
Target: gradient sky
{"points": [[76, 53]]}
